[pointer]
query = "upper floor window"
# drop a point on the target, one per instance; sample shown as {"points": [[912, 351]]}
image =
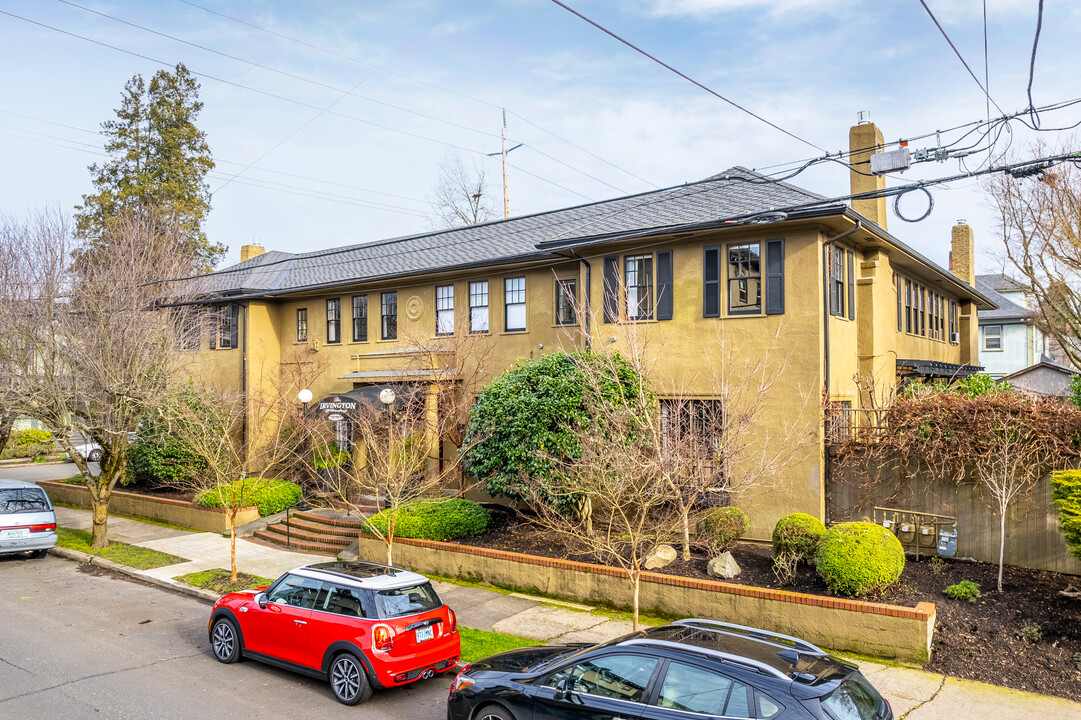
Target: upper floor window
{"points": [[992, 337], [389, 306], [514, 304], [444, 310], [745, 279], [360, 318], [566, 291], [953, 321], [639, 281], [478, 306], [908, 306], [227, 331], [302, 325], [837, 280], [334, 320]]}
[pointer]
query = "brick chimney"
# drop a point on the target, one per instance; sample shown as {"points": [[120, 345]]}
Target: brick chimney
{"points": [[963, 252], [864, 140], [247, 252]]}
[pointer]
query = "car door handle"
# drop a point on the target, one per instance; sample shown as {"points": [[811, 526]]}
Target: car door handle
{"points": [[300, 622]]}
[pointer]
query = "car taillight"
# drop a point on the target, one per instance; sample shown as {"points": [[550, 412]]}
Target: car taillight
{"points": [[382, 638], [461, 680], [45, 527], [453, 621]]}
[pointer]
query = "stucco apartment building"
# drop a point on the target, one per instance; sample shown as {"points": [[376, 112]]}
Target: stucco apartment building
{"points": [[736, 253]]}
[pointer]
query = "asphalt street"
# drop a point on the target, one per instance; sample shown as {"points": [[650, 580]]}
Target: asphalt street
{"points": [[41, 471], [79, 645]]}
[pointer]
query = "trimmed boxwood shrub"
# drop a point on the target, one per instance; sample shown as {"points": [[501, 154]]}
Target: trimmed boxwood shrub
{"points": [[797, 535], [859, 557], [721, 528], [270, 496], [441, 520]]}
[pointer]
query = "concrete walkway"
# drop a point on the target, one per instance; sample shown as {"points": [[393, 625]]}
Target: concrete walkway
{"points": [[914, 694]]}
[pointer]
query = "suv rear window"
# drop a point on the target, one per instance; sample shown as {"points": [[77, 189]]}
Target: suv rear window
{"points": [[407, 601], [20, 500], [854, 699]]}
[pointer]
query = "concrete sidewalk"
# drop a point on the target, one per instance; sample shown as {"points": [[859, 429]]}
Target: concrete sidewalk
{"points": [[914, 694]]}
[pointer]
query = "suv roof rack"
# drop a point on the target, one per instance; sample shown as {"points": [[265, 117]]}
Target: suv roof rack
{"points": [[747, 662], [786, 641]]}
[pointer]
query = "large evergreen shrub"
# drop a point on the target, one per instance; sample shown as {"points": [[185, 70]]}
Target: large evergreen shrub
{"points": [[526, 423], [859, 557]]}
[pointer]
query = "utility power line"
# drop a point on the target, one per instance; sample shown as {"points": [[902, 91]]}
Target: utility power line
{"points": [[959, 56], [426, 83], [639, 50], [265, 93]]}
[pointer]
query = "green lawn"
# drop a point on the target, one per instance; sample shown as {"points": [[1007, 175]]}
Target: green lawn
{"points": [[133, 556], [219, 581], [477, 644]]}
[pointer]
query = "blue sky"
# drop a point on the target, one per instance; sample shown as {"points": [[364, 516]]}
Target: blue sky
{"points": [[364, 170]]}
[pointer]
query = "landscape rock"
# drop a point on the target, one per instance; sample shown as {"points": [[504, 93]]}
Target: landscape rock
{"points": [[661, 556], [723, 566]]}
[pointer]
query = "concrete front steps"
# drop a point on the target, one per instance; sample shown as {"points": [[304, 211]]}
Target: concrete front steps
{"points": [[320, 532]]}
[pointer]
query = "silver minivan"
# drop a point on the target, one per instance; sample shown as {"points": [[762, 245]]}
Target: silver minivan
{"points": [[27, 520]]}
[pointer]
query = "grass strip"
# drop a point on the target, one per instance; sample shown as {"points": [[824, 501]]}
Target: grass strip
{"points": [[478, 644], [219, 580], [133, 556]]}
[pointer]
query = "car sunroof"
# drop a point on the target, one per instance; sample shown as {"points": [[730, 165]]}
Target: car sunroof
{"points": [[358, 570]]}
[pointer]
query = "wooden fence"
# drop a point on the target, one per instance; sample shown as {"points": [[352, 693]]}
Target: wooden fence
{"points": [[1032, 536]]}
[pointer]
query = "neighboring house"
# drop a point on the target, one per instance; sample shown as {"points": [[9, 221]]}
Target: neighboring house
{"points": [[843, 297], [1009, 338], [1043, 378]]}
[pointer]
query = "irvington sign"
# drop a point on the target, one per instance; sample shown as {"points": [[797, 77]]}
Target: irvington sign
{"points": [[336, 408]]}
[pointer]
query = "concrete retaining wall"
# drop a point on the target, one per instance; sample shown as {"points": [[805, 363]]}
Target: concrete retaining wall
{"points": [[888, 631], [174, 512]]}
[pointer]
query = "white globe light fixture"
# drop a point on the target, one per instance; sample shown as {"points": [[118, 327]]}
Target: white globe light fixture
{"points": [[305, 396], [386, 396]]}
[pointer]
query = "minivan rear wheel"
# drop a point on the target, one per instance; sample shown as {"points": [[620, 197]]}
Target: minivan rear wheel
{"points": [[348, 681]]}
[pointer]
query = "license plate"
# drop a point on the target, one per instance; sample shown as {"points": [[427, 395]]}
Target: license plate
{"points": [[16, 533], [425, 633]]}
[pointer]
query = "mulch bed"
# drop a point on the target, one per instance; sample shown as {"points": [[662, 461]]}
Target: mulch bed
{"points": [[979, 640]]}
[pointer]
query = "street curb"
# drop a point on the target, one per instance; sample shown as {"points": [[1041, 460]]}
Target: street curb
{"points": [[199, 594], [4, 464]]}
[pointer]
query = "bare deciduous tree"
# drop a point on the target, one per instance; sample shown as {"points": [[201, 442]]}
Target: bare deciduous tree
{"points": [[1040, 223], [244, 439], [461, 195], [85, 346]]}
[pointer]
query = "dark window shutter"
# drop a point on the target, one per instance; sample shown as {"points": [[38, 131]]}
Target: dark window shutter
{"points": [[711, 282], [234, 325], [664, 284], [214, 320], [900, 294], [611, 288], [851, 286], [775, 277]]}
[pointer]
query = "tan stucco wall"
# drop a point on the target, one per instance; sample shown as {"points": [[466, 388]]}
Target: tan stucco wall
{"points": [[678, 349], [867, 628], [174, 512]]}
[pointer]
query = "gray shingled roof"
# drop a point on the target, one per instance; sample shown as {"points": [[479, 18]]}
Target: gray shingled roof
{"points": [[720, 196], [993, 286]]}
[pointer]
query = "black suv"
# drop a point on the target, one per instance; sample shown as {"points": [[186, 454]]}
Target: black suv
{"points": [[689, 669]]}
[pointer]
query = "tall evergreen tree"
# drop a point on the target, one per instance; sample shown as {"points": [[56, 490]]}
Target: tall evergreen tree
{"points": [[158, 163]]}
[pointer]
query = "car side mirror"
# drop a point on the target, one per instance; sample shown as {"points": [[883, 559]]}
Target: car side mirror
{"points": [[261, 598], [562, 693]]}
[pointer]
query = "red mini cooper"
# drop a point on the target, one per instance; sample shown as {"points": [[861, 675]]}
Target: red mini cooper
{"points": [[358, 625]]}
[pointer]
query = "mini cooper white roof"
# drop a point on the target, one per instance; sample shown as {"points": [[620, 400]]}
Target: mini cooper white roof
{"points": [[370, 576]]}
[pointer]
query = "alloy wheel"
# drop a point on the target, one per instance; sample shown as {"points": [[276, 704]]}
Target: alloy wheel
{"points": [[345, 679], [224, 640]]}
